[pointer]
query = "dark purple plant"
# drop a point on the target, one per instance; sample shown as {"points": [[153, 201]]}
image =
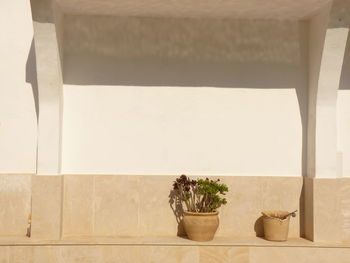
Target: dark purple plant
{"points": [[200, 195]]}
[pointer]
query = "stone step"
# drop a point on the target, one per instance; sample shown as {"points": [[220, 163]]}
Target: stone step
{"points": [[170, 250]]}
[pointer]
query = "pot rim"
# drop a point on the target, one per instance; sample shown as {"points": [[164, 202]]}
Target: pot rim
{"points": [[201, 213], [267, 214]]}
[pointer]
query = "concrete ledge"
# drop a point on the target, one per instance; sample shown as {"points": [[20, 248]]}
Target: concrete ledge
{"points": [[170, 250], [171, 241]]}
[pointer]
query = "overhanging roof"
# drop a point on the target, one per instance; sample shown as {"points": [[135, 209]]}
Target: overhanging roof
{"points": [[239, 9]]}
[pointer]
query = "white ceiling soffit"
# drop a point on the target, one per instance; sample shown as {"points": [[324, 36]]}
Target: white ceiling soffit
{"points": [[237, 9]]}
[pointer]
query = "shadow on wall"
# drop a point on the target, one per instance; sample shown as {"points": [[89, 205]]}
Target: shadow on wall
{"points": [[259, 227], [31, 76], [340, 17], [176, 207], [187, 52], [218, 53], [345, 75]]}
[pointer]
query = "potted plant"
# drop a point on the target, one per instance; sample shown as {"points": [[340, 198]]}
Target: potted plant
{"points": [[202, 198], [276, 224]]}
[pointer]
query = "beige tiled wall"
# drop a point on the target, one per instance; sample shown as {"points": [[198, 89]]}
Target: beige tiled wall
{"points": [[300, 255], [327, 203], [171, 254], [345, 208], [326, 210], [112, 205], [138, 206]]}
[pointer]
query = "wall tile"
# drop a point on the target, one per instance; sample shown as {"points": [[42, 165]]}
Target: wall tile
{"points": [[239, 216], [169, 254], [4, 255], [299, 254], [121, 254], [78, 205], [80, 254], [21, 254], [15, 202], [223, 254], [46, 207], [46, 254], [116, 205], [345, 207], [326, 210], [157, 217], [283, 193]]}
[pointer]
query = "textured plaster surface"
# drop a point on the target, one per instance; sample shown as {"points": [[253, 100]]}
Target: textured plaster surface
{"points": [[18, 120], [247, 9]]}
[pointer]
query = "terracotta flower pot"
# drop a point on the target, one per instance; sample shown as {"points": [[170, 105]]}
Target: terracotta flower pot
{"points": [[276, 228], [201, 226]]}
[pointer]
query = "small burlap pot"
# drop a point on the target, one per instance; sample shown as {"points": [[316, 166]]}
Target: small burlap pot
{"points": [[276, 225]]}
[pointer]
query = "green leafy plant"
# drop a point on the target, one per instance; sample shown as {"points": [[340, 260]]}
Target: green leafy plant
{"points": [[202, 195]]}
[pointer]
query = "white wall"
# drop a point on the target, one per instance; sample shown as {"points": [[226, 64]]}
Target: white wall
{"points": [[165, 96], [162, 96], [17, 107], [170, 130]]}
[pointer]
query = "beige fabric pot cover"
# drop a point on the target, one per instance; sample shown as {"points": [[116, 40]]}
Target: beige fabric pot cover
{"points": [[275, 227]]}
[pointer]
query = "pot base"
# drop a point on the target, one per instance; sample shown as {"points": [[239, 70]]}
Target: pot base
{"points": [[201, 226]]}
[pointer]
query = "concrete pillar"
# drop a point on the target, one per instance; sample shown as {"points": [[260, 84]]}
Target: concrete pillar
{"points": [[329, 31], [47, 190], [327, 49], [46, 38]]}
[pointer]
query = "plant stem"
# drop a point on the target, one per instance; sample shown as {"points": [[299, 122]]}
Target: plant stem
{"points": [[184, 198]]}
